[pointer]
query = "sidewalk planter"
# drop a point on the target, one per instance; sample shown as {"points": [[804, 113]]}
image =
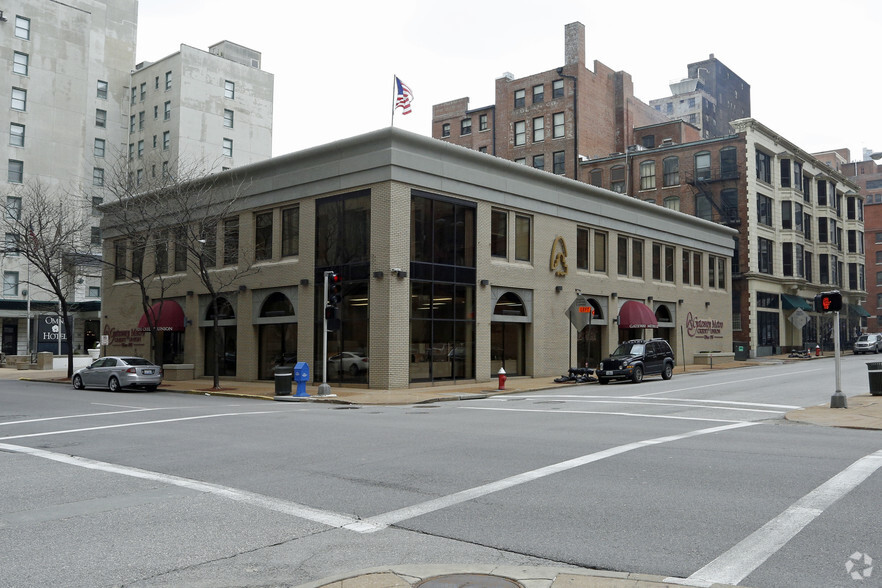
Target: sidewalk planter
{"points": [[175, 372], [712, 357], [874, 369]]}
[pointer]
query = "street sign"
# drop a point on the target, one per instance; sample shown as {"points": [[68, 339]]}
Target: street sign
{"points": [[580, 312], [799, 318]]}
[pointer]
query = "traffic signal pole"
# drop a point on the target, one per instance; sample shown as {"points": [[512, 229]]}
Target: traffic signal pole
{"points": [[838, 400], [325, 388]]}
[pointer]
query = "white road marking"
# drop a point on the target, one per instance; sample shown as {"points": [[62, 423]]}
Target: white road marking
{"points": [[207, 416], [257, 500], [603, 412], [740, 561], [77, 416], [580, 396], [377, 523], [715, 384]]}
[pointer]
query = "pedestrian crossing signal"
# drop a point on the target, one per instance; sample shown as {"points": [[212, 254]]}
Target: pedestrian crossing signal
{"points": [[828, 302]]}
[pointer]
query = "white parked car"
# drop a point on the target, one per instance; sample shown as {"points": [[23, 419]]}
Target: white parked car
{"points": [[868, 343], [354, 363]]}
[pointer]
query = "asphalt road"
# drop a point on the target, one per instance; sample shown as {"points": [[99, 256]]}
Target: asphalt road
{"points": [[698, 478]]}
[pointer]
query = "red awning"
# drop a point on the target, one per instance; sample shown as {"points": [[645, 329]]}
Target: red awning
{"points": [[636, 315], [170, 317]]}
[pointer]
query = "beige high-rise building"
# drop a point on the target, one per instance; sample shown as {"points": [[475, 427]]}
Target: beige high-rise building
{"points": [[72, 88]]}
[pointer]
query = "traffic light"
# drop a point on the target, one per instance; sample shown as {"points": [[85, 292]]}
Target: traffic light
{"points": [[828, 302], [332, 312]]}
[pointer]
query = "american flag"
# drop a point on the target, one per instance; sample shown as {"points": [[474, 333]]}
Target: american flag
{"points": [[403, 96]]}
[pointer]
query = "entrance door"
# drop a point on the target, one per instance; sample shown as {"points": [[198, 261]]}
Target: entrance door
{"points": [[10, 337]]}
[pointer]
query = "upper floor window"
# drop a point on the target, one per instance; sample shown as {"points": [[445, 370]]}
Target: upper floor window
{"points": [[229, 89], [16, 135], [465, 126], [647, 175], [10, 283], [785, 173], [538, 94], [558, 122], [671, 171], [100, 118], [263, 236], [16, 172], [764, 210], [228, 147], [617, 179], [797, 175], [539, 161], [228, 118], [522, 237], [703, 206], [498, 233], [167, 110], [672, 203], [520, 98], [99, 147], [291, 231], [97, 176], [482, 122], [19, 99], [22, 27], [13, 207], [143, 91], [20, 63], [538, 129], [728, 163], [560, 166], [445, 130], [703, 166], [168, 80], [764, 167], [596, 178], [520, 132], [582, 235], [557, 89]]}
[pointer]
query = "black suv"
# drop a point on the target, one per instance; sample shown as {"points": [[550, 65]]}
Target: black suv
{"points": [[633, 359]]}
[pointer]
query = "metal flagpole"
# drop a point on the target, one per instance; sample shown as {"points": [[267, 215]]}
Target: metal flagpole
{"points": [[394, 96]]}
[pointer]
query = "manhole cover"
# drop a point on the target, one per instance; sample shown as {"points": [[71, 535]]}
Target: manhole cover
{"points": [[468, 581]]}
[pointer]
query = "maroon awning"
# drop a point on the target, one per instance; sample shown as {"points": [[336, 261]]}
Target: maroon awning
{"points": [[636, 315], [167, 316]]}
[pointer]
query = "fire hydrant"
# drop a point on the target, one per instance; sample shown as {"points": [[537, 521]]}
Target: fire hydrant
{"points": [[501, 374], [817, 351]]}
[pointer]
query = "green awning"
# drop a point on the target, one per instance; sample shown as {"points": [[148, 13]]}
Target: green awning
{"points": [[789, 302], [858, 310]]}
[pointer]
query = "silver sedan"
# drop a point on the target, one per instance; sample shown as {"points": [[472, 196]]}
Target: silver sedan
{"points": [[117, 373]]}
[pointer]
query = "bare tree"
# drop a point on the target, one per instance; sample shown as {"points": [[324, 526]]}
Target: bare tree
{"points": [[50, 234], [198, 212]]}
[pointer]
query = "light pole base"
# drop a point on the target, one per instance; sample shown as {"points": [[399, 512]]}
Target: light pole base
{"points": [[325, 390], [838, 400]]}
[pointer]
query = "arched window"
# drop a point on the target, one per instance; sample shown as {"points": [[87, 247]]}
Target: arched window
{"points": [[510, 304], [703, 207], [647, 175], [277, 304], [703, 165], [663, 314], [598, 309], [672, 202], [671, 171], [224, 310]]}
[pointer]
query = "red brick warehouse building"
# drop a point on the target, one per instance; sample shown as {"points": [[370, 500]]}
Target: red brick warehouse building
{"points": [[550, 119]]}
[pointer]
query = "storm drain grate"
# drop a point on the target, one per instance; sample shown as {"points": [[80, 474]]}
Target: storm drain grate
{"points": [[468, 581]]}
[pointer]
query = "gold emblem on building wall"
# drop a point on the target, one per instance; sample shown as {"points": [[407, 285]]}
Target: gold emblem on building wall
{"points": [[558, 262]]}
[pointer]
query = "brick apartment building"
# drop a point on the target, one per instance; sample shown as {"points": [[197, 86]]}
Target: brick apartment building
{"points": [[550, 119], [800, 223]]}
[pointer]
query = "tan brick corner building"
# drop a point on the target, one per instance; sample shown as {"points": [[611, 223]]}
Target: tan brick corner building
{"points": [[454, 264]]}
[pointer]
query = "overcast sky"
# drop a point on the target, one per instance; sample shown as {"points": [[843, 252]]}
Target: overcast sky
{"points": [[813, 69]]}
